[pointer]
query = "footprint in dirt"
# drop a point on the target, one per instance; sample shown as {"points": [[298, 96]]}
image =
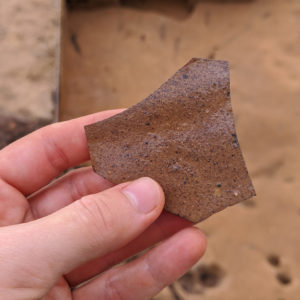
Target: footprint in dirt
{"points": [[283, 278], [205, 276]]}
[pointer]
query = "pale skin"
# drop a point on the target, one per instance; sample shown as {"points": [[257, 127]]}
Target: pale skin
{"points": [[57, 233]]}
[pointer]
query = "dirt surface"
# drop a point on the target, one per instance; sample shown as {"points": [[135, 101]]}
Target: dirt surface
{"points": [[116, 56], [29, 40], [28, 46], [13, 128]]}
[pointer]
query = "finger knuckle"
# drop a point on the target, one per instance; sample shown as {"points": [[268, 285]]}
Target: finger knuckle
{"points": [[54, 153], [96, 213], [112, 289], [155, 276], [77, 187]]}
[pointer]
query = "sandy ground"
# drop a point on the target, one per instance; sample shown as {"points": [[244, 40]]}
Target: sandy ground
{"points": [[29, 40], [115, 56], [28, 46]]}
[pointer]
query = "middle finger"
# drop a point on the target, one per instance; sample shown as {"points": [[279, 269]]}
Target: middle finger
{"points": [[65, 190], [165, 226]]}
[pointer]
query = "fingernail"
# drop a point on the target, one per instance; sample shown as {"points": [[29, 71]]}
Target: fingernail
{"points": [[144, 193]]}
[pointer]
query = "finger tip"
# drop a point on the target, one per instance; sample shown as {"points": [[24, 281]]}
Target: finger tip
{"points": [[195, 242], [153, 184]]}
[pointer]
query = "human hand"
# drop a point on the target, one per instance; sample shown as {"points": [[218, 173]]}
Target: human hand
{"points": [[56, 234]]}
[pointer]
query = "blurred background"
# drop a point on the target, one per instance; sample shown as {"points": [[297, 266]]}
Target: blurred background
{"points": [[60, 60]]}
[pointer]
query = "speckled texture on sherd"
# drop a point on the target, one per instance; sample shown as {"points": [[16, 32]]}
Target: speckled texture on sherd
{"points": [[183, 136]]}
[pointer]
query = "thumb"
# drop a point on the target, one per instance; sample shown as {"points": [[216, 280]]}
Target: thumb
{"points": [[88, 228]]}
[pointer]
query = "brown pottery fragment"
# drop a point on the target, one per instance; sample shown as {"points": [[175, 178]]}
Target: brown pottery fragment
{"points": [[183, 136]]}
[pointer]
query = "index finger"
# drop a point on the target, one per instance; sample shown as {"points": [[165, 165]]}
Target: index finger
{"points": [[33, 161]]}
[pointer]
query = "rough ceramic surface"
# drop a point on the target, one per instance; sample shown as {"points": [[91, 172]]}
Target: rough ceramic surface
{"points": [[183, 136]]}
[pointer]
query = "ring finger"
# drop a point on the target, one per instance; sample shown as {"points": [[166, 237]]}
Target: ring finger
{"points": [[146, 276]]}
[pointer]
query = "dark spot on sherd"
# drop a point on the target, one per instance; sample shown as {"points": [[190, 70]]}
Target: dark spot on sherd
{"points": [[210, 275], [146, 143], [283, 278], [218, 184], [228, 94], [235, 141], [184, 182], [185, 76], [147, 124], [273, 260]]}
